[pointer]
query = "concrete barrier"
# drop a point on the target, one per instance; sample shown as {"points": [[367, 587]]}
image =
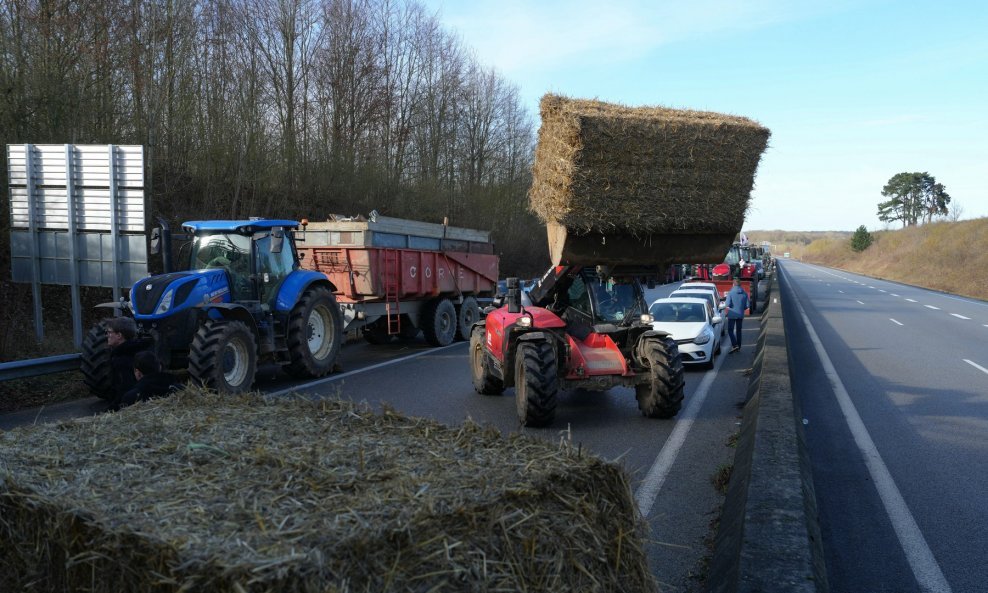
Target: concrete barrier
{"points": [[769, 536]]}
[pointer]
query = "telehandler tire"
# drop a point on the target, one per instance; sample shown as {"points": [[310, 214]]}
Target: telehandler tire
{"points": [[536, 383], [97, 370], [662, 396], [224, 356], [315, 333], [484, 382]]}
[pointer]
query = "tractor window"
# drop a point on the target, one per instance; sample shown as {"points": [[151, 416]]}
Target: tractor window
{"points": [[273, 268], [579, 298], [230, 252], [733, 256], [613, 300]]}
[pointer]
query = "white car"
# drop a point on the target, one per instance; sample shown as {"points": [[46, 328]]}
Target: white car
{"points": [[703, 293], [690, 322], [704, 285]]}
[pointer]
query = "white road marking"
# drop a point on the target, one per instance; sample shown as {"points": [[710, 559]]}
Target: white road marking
{"points": [[372, 367], [657, 474], [894, 321], [871, 287], [924, 566], [880, 290], [841, 291], [912, 300], [893, 294], [960, 316], [932, 307], [859, 302], [977, 366]]}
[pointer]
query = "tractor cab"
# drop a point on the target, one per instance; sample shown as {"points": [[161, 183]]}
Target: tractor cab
{"points": [[592, 299], [256, 256]]}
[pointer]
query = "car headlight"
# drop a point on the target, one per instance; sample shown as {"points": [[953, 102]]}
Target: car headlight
{"points": [[703, 338], [166, 303]]}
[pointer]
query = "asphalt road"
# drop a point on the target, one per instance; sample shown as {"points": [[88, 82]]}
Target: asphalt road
{"points": [[892, 383], [671, 462]]}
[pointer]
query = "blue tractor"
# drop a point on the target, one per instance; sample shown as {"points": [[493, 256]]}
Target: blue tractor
{"points": [[244, 300]]}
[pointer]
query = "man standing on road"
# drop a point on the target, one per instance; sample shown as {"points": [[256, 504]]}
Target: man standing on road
{"points": [[735, 305]]}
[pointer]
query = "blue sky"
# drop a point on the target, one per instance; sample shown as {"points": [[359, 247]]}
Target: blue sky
{"points": [[853, 91]]}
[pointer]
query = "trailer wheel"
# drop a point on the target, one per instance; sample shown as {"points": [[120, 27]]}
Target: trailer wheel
{"points": [[97, 371], [484, 382], [466, 316], [536, 383], [224, 356], [439, 322], [662, 396], [315, 333]]}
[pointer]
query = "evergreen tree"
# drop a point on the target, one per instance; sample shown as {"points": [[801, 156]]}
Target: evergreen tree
{"points": [[862, 239]]}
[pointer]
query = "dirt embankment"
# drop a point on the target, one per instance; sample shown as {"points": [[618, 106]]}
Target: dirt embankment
{"points": [[947, 256]]}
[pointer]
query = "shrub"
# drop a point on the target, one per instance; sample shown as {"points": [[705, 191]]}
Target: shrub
{"points": [[861, 240]]}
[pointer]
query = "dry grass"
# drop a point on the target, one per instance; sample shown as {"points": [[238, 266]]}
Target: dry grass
{"points": [[199, 492], [947, 256]]}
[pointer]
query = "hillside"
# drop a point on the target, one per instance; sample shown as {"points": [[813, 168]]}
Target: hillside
{"points": [[947, 256]]}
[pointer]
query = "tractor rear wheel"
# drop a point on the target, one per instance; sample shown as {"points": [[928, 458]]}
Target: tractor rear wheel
{"points": [[466, 316], [224, 356], [536, 383], [97, 370], [315, 333], [662, 396], [485, 382], [439, 322]]}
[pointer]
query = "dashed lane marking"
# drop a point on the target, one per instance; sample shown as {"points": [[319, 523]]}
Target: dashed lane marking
{"points": [[960, 316], [893, 294], [977, 366], [924, 565], [932, 307], [894, 321], [912, 300], [860, 303]]}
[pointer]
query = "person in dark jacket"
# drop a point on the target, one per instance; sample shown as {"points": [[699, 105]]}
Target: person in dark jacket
{"points": [[151, 380], [735, 306], [121, 335]]}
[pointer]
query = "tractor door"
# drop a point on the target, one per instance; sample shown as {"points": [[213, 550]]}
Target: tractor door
{"points": [[273, 266]]}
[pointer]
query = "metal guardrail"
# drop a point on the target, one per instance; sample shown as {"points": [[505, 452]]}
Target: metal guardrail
{"points": [[19, 369]]}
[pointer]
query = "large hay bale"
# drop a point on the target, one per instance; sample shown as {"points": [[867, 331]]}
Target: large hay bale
{"points": [[203, 493], [615, 170]]}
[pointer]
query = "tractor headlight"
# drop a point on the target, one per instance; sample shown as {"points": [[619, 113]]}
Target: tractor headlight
{"points": [[166, 303], [525, 321], [647, 318], [703, 338]]}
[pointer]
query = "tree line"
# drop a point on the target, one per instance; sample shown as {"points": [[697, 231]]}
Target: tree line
{"points": [[281, 108]]}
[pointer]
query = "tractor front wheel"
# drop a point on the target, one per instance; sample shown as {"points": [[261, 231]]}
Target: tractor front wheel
{"points": [[97, 370], [484, 382], [536, 383], [224, 356], [662, 396]]}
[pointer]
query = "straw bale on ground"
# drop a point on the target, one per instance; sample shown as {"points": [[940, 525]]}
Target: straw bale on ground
{"points": [[231, 494], [606, 168]]}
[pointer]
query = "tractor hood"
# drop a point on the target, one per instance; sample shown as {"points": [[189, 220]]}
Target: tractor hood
{"points": [[164, 295]]}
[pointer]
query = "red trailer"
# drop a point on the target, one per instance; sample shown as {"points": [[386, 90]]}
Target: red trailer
{"points": [[395, 277]]}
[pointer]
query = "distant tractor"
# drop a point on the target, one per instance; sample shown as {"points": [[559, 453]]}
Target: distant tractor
{"points": [[244, 300], [589, 328]]}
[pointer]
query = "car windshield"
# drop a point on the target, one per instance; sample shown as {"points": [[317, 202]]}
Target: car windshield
{"points": [[681, 312], [222, 250]]}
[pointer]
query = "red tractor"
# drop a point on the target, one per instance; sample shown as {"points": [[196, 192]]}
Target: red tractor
{"points": [[588, 327], [739, 263]]}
